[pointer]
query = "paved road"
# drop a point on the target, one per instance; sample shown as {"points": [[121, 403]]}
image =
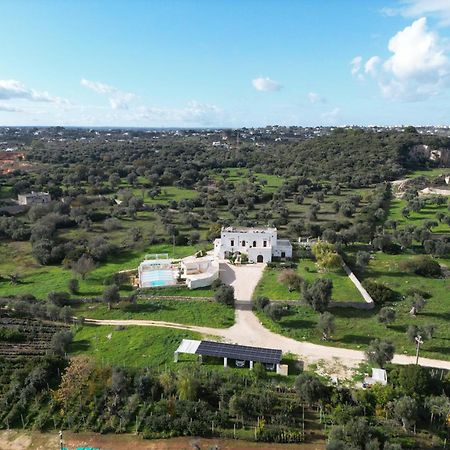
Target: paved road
{"points": [[248, 330]]}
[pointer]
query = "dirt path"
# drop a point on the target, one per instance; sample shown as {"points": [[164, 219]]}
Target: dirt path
{"points": [[33, 440], [248, 330]]}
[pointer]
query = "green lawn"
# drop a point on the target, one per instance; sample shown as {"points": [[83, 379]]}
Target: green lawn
{"points": [[177, 291], [356, 328], [430, 173], [168, 194], [192, 312], [417, 218], [131, 347], [239, 175], [40, 280], [343, 289]]}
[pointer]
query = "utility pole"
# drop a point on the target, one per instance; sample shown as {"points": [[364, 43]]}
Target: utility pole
{"points": [[419, 342]]}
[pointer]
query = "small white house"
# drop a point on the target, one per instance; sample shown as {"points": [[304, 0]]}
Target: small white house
{"points": [[33, 198], [259, 244]]}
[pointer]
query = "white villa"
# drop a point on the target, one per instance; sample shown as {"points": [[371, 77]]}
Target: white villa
{"points": [[259, 244], [201, 270]]}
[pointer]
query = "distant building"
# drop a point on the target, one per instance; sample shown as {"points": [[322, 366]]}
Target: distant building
{"points": [[259, 244], [33, 198]]}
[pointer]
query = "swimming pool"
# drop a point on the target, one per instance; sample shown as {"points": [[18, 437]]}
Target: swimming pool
{"points": [[158, 278]]}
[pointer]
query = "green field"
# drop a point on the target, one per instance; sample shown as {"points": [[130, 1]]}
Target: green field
{"points": [[428, 212], [40, 280], [430, 173], [240, 175], [356, 328], [200, 313], [130, 347], [168, 194], [343, 289], [177, 291]]}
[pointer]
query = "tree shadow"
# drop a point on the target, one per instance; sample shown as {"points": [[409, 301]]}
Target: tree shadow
{"points": [[399, 328], [441, 350], [298, 323], [443, 315], [356, 339], [146, 307], [80, 346]]}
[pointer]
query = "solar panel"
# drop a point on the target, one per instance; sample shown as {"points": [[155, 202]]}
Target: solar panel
{"points": [[242, 352]]}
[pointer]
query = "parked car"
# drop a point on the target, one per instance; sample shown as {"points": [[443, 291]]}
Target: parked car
{"points": [[270, 366], [240, 363]]}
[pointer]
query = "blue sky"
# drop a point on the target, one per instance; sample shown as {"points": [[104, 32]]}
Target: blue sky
{"points": [[224, 63]]}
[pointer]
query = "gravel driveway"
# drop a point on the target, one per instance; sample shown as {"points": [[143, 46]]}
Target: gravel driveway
{"points": [[248, 330]]}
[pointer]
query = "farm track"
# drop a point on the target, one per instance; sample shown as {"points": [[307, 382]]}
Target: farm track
{"points": [[248, 330]]}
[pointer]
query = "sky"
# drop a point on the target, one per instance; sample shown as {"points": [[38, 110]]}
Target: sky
{"points": [[224, 63]]}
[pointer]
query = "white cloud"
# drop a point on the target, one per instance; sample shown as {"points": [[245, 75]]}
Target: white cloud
{"points": [[439, 9], [371, 65], [117, 98], [7, 108], [13, 89], [417, 68], [315, 98], [265, 84], [355, 64], [417, 53]]}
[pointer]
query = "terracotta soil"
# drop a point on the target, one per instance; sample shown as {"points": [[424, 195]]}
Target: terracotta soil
{"points": [[18, 440]]}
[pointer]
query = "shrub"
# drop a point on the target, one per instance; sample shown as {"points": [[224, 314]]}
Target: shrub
{"points": [[59, 298], [380, 293], [11, 335], [216, 283], [386, 316], [225, 295], [60, 342], [318, 294], [291, 279], [261, 302], [274, 311], [422, 265], [380, 352]]}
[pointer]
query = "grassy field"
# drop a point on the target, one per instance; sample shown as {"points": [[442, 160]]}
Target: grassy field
{"points": [[40, 280], [168, 194], [343, 289], [430, 173], [356, 328], [240, 175], [201, 313], [418, 218], [130, 347]]}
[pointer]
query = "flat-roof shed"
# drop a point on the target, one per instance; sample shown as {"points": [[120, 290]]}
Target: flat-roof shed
{"points": [[232, 351]]}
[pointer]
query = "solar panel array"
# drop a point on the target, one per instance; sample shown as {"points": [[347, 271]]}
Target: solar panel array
{"points": [[242, 352]]}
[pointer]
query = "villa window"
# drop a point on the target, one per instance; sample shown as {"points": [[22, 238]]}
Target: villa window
{"points": [[243, 243], [254, 243], [232, 242], [265, 243]]}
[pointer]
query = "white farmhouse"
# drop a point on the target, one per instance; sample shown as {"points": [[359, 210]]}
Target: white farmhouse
{"points": [[259, 244], [33, 198]]}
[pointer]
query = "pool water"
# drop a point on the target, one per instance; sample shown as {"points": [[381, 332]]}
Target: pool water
{"points": [[158, 278]]}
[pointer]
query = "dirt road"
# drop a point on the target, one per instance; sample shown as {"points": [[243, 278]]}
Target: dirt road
{"points": [[248, 330]]}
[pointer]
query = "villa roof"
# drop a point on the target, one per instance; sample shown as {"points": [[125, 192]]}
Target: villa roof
{"points": [[249, 230], [284, 243]]}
